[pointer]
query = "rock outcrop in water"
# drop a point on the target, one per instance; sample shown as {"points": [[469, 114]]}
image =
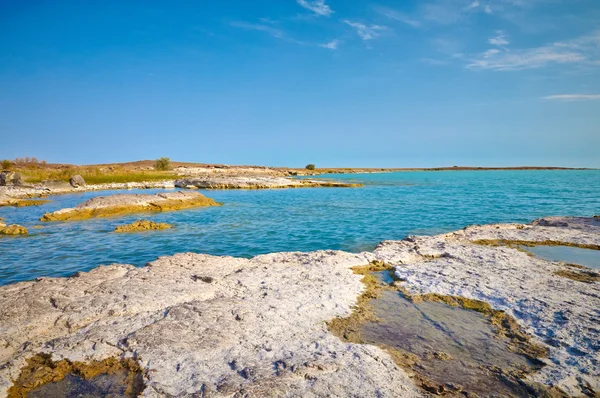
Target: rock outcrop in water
{"points": [[118, 205], [256, 183], [12, 230], [221, 326], [142, 225]]}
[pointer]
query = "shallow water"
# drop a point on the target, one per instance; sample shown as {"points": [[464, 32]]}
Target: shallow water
{"points": [[432, 331], [571, 255], [72, 386], [389, 206]]}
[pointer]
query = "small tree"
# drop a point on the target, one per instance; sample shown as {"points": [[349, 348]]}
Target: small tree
{"points": [[310, 166], [162, 164], [6, 164]]}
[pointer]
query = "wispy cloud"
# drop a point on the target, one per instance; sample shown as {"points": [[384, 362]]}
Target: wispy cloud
{"points": [[332, 45], [573, 97], [473, 5], [583, 50], [398, 16], [269, 29], [366, 32], [499, 39], [317, 6]]}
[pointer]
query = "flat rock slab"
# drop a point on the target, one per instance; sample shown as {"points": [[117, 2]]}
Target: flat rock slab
{"points": [[104, 206], [561, 313], [206, 325], [256, 183]]}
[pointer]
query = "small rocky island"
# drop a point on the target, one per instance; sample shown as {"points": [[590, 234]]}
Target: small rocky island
{"points": [[201, 325], [118, 205]]}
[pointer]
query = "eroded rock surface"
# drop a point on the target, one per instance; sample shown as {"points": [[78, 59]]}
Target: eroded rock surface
{"points": [[142, 225], [205, 325], [103, 206], [560, 312], [255, 182]]}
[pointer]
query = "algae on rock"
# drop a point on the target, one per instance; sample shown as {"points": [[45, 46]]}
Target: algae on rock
{"points": [[123, 204], [13, 230], [142, 225]]}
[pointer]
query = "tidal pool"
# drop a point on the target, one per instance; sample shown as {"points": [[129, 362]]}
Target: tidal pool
{"points": [[456, 348], [567, 254], [104, 385]]}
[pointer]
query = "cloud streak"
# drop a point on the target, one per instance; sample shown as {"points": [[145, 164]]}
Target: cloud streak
{"points": [[398, 16], [582, 50], [270, 30], [366, 32], [316, 6], [573, 97]]}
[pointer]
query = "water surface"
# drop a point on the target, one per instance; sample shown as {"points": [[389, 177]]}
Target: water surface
{"points": [[567, 254], [389, 206]]}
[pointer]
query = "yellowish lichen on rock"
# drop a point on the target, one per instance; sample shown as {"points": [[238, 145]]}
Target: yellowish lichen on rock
{"points": [[119, 205], [527, 243], [581, 275], [41, 369], [142, 225], [13, 230], [348, 328]]}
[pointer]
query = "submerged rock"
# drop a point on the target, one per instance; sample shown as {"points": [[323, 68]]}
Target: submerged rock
{"points": [[77, 181], [118, 205], [13, 229], [142, 225]]}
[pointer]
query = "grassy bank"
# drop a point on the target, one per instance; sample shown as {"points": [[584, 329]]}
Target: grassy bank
{"points": [[92, 174]]}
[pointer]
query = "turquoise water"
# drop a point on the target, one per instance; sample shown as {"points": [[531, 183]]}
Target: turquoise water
{"points": [[389, 206]]}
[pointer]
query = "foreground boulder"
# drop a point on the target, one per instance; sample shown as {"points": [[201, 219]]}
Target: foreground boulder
{"points": [[77, 181], [118, 205], [10, 178]]}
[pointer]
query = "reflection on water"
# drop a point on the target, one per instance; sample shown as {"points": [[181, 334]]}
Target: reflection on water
{"points": [[567, 254]]}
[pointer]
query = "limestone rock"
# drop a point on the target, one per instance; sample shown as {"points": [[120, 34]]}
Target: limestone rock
{"points": [[256, 183], [204, 325], [77, 181], [118, 205], [560, 312]]}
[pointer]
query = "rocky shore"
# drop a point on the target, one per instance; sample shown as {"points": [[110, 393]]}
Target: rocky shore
{"points": [[221, 326], [257, 183], [21, 195]]}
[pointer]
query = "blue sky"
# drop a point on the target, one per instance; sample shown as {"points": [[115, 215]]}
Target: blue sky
{"points": [[291, 82]]}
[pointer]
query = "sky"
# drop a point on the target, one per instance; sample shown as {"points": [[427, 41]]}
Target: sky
{"points": [[337, 83]]}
